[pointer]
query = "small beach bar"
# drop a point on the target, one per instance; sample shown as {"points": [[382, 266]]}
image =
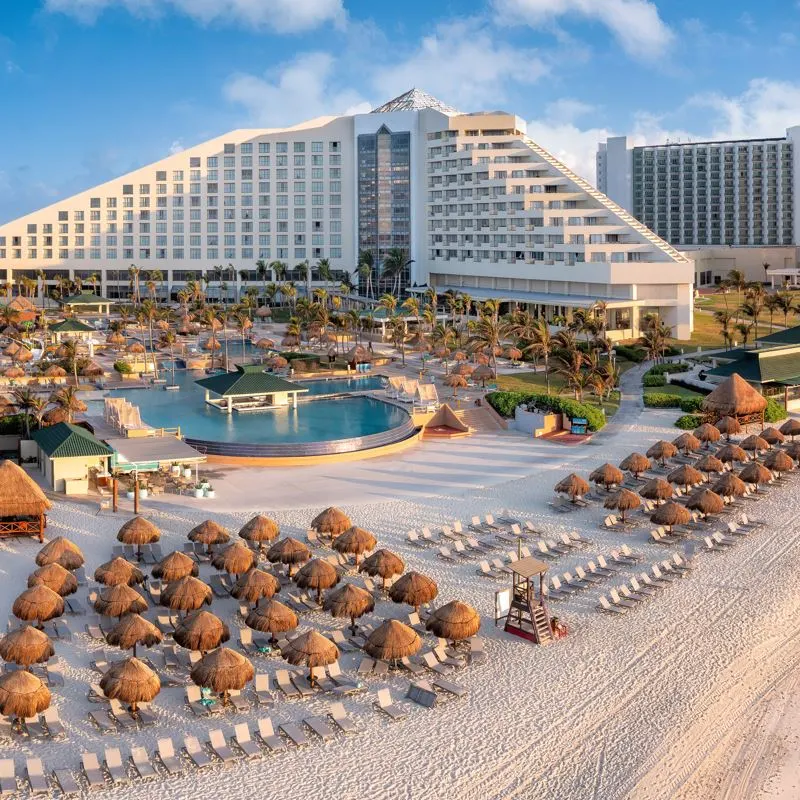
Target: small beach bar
{"points": [[249, 388]]}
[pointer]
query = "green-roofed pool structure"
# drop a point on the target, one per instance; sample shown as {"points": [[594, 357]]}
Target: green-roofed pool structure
{"points": [[250, 388], [87, 302]]}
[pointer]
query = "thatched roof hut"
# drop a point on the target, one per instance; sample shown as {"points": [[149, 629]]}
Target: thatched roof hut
{"points": [[734, 397], [755, 473], [60, 551], [186, 594], [657, 489], [709, 464], [355, 541], [235, 559], [636, 464], [209, 533], [310, 650], [55, 415], [26, 646], [318, 575], [277, 362], [662, 450], [358, 355], [38, 603], [54, 371], [332, 521], [793, 450], [607, 475], [174, 566], [288, 551], [22, 695], [263, 311], [706, 502], [623, 501], [54, 577], [414, 589], [754, 444], [118, 600], [392, 640], [255, 584], [383, 563], [138, 531], [573, 485], [130, 681], [670, 514], [20, 495], [272, 617], [349, 601], [260, 529], [221, 670], [137, 348], [729, 485], [729, 426], [454, 621], [133, 630], [201, 630], [117, 571]]}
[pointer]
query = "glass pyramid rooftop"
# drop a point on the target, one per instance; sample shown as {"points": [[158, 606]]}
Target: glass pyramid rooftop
{"points": [[414, 100]]}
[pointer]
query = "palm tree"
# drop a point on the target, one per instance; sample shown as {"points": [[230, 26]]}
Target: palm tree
{"points": [[724, 318], [67, 398], [752, 308], [243, 323], [355, 322], [70, 348], [289, 291], [366, 264], [303, 269], [30, 405], [542, 345], [149, 313], [786, 305], [744, 329], [397, 330], [571, 369], [485, 337], [133, 274], [771, 304], [394, 265], [324, 271], [388, 302], [270, 292]]}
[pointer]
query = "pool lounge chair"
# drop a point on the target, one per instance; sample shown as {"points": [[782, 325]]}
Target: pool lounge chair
{"points": [[295, 733], [267, 734], [219, 746], [167, 756], [91, 769], [51, 719], [241, 735], [8, 777], [451, 688], [621, 602], [604, 604], [238, 701], [321, 727], [34, 727], [485, 571], [66, 781], [340, 718], [264, 696], [103, 723], [284, 681], [142, 764], [196, 754], [423, 694], [121, 715], [114, 765], [386, 705]]}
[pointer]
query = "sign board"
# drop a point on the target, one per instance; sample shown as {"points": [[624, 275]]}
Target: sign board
{"points": [[502, 604]]}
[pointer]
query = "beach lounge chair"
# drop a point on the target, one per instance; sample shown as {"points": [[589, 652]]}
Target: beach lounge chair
{"points": [[653, 582], [423, 694], [628, 594], [555, 547], [246, 641], [54, 674], [295, 733], [264, 696], [604, 565], [484, 570], [238, 701], [412, 537], [241, 735], [660, 575], [626, 552], [35, 728], [544, 550], [582, 575], [720, 538], [680, 564], [321, 727], [643, 590], [145, 715], [340, 718], [451, 688], [620, 558], [338, 638], [365, 666], [471, 543], [142, 764], [302, 685], [344, 682], [432, 663], [95, 694], [605, 605], [102, 722], [563, 589], [477, 654], [386, 705], [194, 699], [500, 567], [745, 521], [219, 587], [166, 755], [621, 602], [410, 667], [577, 583], [55, 728], [599, 572], [8, 777], [66, 781], [219, 746], [196, 754], [444, 553], [91, 769], [267, 734], [114, 765], [121, 715], [285, 684]]}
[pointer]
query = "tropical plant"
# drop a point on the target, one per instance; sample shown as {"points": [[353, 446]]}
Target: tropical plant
{"points": [[485, 337], [572, 369]]}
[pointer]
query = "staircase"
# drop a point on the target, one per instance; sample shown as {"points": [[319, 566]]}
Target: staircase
{"points": [[481, 420], [542, 625]]}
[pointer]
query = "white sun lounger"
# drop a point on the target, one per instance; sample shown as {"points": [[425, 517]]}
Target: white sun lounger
{"points": [[66, 781], [485, 571], [53, 722], [645, 591], [141, 763], [320, 727], [340, 718], [34, 771], [193, 749], [267, 734], [103, 722], [386, 705], [295, 733], [619, 601], [605, 605], [264, 696], [167, 756], [8, 777], [114, 765], [241, 735], [219, 745], [91, 769]]}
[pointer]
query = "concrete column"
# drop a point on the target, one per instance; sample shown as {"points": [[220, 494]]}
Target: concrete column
{"points": [[294, 400], [230, 404]]}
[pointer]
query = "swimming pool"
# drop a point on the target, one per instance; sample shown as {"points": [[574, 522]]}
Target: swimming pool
{"points": [[341, 385]]}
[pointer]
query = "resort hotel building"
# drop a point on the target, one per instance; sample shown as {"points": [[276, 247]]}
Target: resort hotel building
{"points": [[729, 204], [477, 206]]}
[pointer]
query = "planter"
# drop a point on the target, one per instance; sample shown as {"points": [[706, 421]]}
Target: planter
{"points": [[204, 485], [187, 472], [129, 495], [176, 472], [143, 494], [210, 494], [199, 493]]}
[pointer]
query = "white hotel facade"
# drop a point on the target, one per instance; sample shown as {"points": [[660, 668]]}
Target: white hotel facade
{"points": [[478, 206]]}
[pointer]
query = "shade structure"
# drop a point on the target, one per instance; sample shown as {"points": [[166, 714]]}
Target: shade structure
{"points": [[211, 344], [20, 496], [687, 442], [288, 551], [483, 373], [38, 604], [793, 450], [175, 566], [265, 344], [133, 630], [318, 575], [706, 502], [755, 473], [454, 621], [607, 475], [464, 369], [573, 485], [707, 433], [514, 353], [754, 444], [455, 381], [778, 461], [255, 584], [272, 617], [22, 695], [790, 428], [264, 311], [277, 362], [657, 489], [116, 601], [26, 646], [636, 463], [623, 501], [662, 450], [260, 529], [136, 347], [235, 559], [729, 426], [221, 670], [117, 571], [138, 531], [349, 601], [392, 640], [729, 485], [54, 416], [685, 476], [310, 649], [355, 541], [60, 551], [670, 514], [709, 464], [731, 452], [384, 564], [186, 594], [332, 521], [54, 577], [209, 533], [734, 397], [201, 630], [92, 370], [130, 681], [54, 371], [772, 435], [414, 589]]}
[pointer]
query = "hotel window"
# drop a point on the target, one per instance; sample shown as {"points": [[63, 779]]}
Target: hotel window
{"points": [[230, 252], [94, 202], [300, 186], [246, 147], [195, 253], [316, 161], [335, 199], [247, 161], [94, 215], [335, 161], [111, 214], [247, 187], [336, 252], [111, 253], [230, 188], [161, 175], [282, 161], [212, 162], [63, 228], [598, 258], [177, 175], [194, 188], [144, 202], [212, 253], [299, 252], [263, 161], [263, 147], [195, 175], [229, 148], [229, 161], [316, 147], [299, 199], [299, 147], [334, 147], [161, 188], [194, 161], [63, 216], [94, 252], [78, 216], [61, 253]]}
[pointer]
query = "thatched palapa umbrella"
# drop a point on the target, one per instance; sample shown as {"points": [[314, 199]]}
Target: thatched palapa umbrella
{"points": [[778, 461], [332, 521], [349, 601], [60, 551], [272, 617], [22, 695], [118, 600], [255, 584], [464, 369], [318, 575], [209, 533], [662, 450], [235, 559], [685, 476], [709, 464], [687, 442], [607, 475], [455, 382], [260, 529], [790, 428], [573, 485], [729, 485], [636, 464], [186, 594], [754, 444], [221, 670], [137, 348], [310, 650], [793, 450], [133, 630], [454, 621], [138, 531], [54, 577], [130, 681], [175, 566], [355, 541], [728, 426], [277, 362], [657, 489], [383, 563], [706, 502], [118, 571], [26, 646], [414, 589], [392, 640], [755, 473], [288, 551], [772, 435], [38, 603], [623, 501], [201, 630], [670, 514], [731, 452]]}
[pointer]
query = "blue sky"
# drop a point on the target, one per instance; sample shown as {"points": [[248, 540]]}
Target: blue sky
{"points": [[93, 88]]}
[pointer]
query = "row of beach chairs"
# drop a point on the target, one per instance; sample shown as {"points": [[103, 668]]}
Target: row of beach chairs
{"points": [[645, 586]]}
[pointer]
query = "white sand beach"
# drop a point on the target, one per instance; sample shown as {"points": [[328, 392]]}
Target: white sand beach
{"points": [[640, 706]]}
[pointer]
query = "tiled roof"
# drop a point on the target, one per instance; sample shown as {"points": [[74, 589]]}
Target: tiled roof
{"points": [[248, 380], [773, 365], [70, 325], [65, 440], [787, 336], [414, 100]]}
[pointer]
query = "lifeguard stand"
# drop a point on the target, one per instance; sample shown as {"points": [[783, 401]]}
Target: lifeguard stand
{"points": [[527, 614]]}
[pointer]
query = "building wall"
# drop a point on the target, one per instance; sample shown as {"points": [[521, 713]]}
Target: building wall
{"points": [[712, 264], [57, 471]]}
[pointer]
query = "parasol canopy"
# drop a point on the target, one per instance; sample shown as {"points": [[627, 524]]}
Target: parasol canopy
{"points": [[414, 589], [349, 601], [332, 521], [392, 640], [201, 630], [454, 621], [272, 617]]}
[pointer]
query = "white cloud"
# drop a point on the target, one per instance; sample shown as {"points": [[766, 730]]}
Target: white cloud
{"points": [[282, 16], [294, 92], [176, 147], [463, 65], [635, 24]]}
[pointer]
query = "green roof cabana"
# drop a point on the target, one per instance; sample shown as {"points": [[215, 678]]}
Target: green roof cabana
{"points": [[86, 302], [67, 453], [250, 388], [71, 328]]}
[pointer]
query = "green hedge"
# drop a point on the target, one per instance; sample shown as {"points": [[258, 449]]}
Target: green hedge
{"points": [[12, 425], [504, 404], [691, 404], [774, 411], [661, 400], [672, 368], [635, 354], [654, 380], [688, 422], [123, 367]]}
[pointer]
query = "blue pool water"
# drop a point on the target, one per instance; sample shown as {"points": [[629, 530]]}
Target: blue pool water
{"points": [[338, 385], [315, 421]]}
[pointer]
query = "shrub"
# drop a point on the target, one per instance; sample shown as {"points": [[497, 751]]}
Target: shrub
{"points": [[504, 404], [630, 352], [774, 411], [688, 422], [654, 380], [661, 400], [672, 368], [691, 404], [12, 425], [123, 367]]}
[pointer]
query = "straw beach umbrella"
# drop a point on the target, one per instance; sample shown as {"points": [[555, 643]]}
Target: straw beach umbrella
{"points": [[201, 630], [623, 501], [175, 566], [414, 589], [454, 621], [729, 485], [657, 489], [38, 603], [731, 452], [186, 594], [138, 531], [607, 475], [117, 571], [754, 444], [209, 533], [272, 617], [26, 646], [685, 476], [255, 584], [790, 428], [455, 382], [778, 461], [211, 344], [317, 574], [392, 640], [235, 559], [355, 541], [54, 577], [260, 529], [670, 514], [573, 485], [133, 630], [54, 416], [773, 436], [383, 563], [728, 426], [636, 464], [662, 450], [464, 369], [706, 502], [288, 551], [22, 695], [130, 681], [310, 650], [221, 670], [349, 601], [60, 551], [709, 464], [332, 521], [277, 362], [755, 473], [137, 348], [265, 344], [793, 450], [118, 600], [687, 442]]}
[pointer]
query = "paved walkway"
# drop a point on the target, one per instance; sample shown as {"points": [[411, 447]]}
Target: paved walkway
{"points": [[631, 404]]}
